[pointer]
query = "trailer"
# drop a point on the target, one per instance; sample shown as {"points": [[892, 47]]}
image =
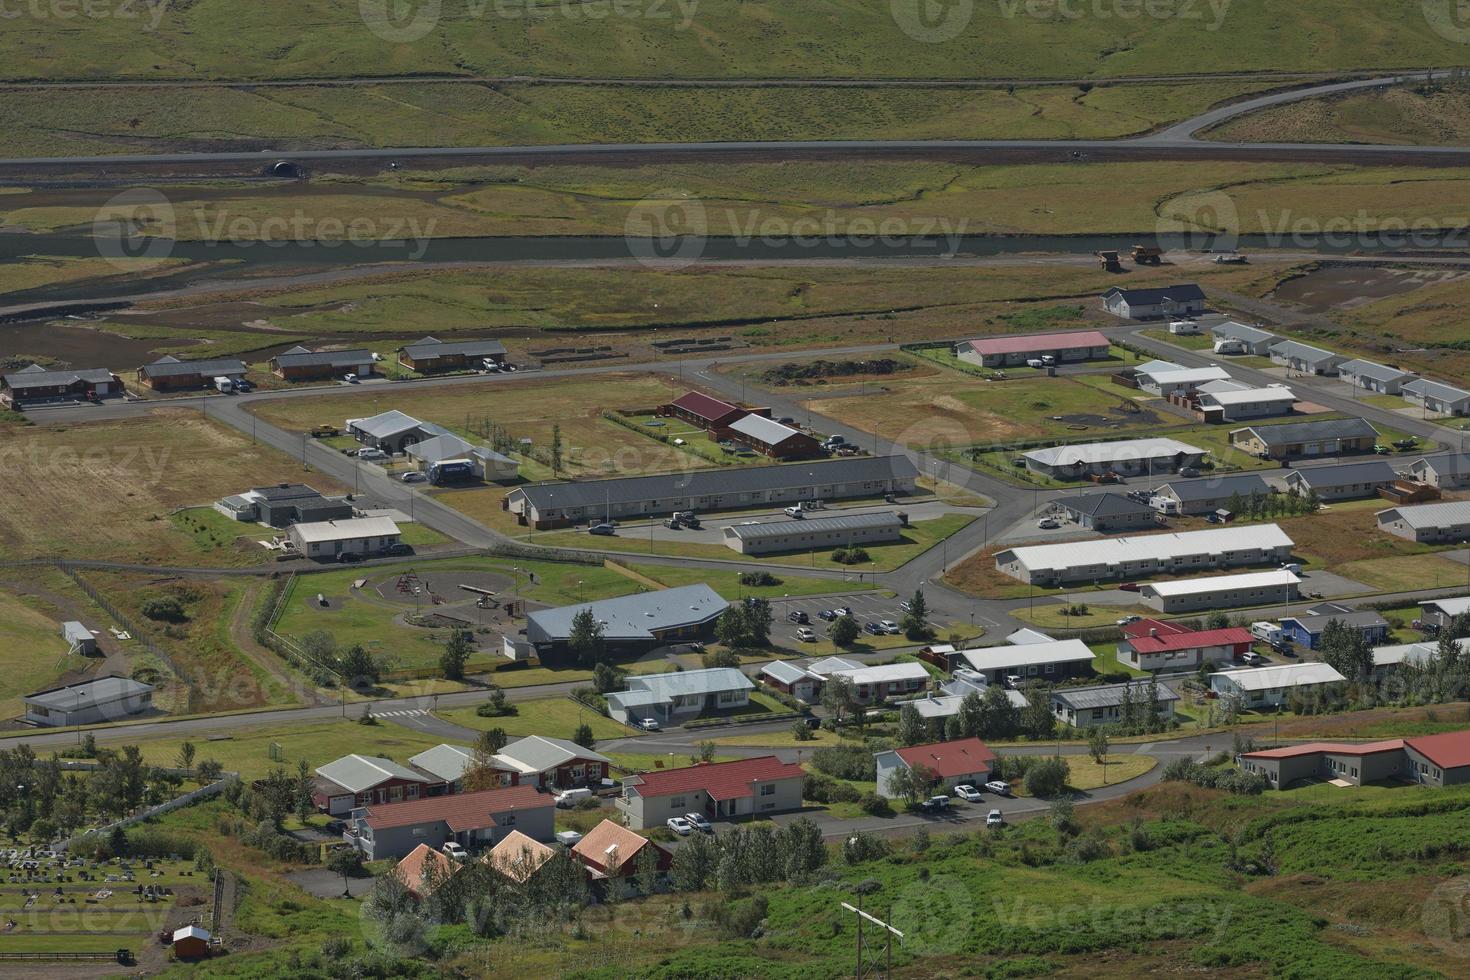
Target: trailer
{"points": [[451, 471]]}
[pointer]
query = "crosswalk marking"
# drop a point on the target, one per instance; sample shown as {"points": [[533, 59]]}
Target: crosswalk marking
{"points": [[406, 713]]}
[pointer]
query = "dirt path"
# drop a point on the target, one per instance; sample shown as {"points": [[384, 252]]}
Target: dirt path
{"points": [[266, 659]]}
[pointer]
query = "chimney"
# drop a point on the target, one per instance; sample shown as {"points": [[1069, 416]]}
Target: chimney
{"points": [[1153, 631]]}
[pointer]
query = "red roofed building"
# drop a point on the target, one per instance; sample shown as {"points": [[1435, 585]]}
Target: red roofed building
{"points": [[745, 787], [964, 760], [1439, 760], [1152, 644], [705, 411], [1076, 345], [612, 850], [475, 820], [423, 869]]}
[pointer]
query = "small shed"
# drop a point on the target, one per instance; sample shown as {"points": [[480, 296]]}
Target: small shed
{"points": [[78, 638], [191, 943]]}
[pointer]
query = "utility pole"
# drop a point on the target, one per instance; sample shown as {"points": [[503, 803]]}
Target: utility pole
{"points": [[888, 936]]}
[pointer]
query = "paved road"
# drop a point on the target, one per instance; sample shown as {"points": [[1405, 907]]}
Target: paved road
{"points": [[1178, 138]]}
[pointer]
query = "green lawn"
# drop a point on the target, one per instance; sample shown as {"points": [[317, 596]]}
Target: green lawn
{"points": [[727, 582], [211, 532], [1197, 341], [1405, 573], [420, 535], [32, 653], [552, 717], [1107, 660], [1050, 614]]}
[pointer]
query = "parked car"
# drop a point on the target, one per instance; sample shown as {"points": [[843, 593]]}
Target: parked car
{"points": [[795, 512], [699, 822], [968, 793], [605, 530], [890, 627], [1382, 450], [567, 838], [805, 635], [1128, 619], [842, 610], [826, 615], [680, 826], [1129, 586], [994, 819], [872, 629], [413, 476], [935, 804], [906, 606], [797, 616], [672, 524], [1048, 524], [999, 787], [648, 724], [244, 386], [1250, 658], [1189, 471], [347, 557], [398, 548], [456, 850], [371, 453], [571, 797], [786, 420]]}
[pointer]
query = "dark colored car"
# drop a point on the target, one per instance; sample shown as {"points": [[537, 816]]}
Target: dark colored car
{"points": [[873, 629], [827, 614], [798, 617], [348, 556]]}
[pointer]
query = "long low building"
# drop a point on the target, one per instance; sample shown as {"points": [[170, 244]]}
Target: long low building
{"points": [[1377, 378], [1429, 760], [1325, 437], [431, 354], [1258, 687], [1246, 403], [552, 505], [1305, 358], [473, 820], [1107, 512], [680, 695], [170, 373], [1447, 521], [303, 364], [354, 536], [1342, 481], [812, 534], [1016, 663], [1435, 397], [1144, 555], [1208, 494], [1153, 645], [484, 462], [1124, 458], [720, 790], [1252, 340], [633, 623], [1173, 381], [994, 352], [36, 384], [1221, 591], [770, 438], [101, 699], [1104, 704]]}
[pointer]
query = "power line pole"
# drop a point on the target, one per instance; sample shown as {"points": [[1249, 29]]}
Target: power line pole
{"points": [[888, 935]]}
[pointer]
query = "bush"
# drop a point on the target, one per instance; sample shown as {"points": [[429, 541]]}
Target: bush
{"points": [[846, 762], [875, 806], [759, 579], [850, 556], [1048, 777], [1230, 780], [824, 789], [862, 847], [165, 609]]}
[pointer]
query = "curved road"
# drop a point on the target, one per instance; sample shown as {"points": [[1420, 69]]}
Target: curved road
{"points": [[1178, 138]]}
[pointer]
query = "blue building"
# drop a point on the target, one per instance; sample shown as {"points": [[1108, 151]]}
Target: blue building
{"points": [[1307, 628]]}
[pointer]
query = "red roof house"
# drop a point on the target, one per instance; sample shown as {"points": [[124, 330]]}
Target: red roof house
{"points": [[760, 785], [610, 849], [1153, 644], [1441, 760], [964, 760], [703, 410], [414, 870], [472, 819], [1432, 760]]}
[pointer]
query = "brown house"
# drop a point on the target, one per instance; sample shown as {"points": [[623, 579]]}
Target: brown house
{"points": [[770, 438], [36, 384], [705, 411], [169, 373], [432, 355], [1328, 437], [302, 364]]}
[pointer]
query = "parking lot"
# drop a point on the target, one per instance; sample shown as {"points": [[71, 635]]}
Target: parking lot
{"points": [[867, 607]]}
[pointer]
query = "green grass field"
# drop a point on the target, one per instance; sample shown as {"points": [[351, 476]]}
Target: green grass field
{"points": [[32, 652], [552, 717]]}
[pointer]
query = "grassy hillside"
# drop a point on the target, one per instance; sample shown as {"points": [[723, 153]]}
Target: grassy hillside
{"points": [[1418, 116], [716, 38]]}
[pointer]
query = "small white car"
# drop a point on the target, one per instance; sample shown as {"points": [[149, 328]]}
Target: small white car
{"points": [[680, 826], [699, 822], [456, 850], [350, 378], [371, 453], [805, 635], [1128, 619], [889, 626], [967, 793], [1048, 524], [413, 476], [999, 787], [648, 724], [994, 819]]}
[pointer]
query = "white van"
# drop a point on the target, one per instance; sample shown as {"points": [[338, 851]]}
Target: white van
{"points": [[571, 797]]}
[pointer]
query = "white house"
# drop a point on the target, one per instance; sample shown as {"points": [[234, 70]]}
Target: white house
{"points": [[1125, 457], [1143, 555], [1448, 472], [1446, 521], [1305, 358], [1270, 686], [1183, 300], [1248, 403], [1439, 398], [1377, 378], [1221, 591], [1180, 381], [355, 536]]}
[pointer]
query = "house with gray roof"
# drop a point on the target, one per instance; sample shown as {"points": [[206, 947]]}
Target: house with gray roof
{"points": [[815, 533], [1428, 523], [680, 696], [1343, 481], [1207, 494], [1377, 378], [392, 431], [554, 763], [552, 505], [35, 384], [101, 699], [770, 438], [1107, 512], [1104, 704], [486, 463], [1305, 358], [1325, 437], [1253, 339], [1183, 300], [1450, 471], [284, 505], [361, 780], [1439, 398], [303, 364], [432, 355], [632, 623], [170, 373]]}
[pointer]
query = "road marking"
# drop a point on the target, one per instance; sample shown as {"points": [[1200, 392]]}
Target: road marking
{"points": [[400, 714]]}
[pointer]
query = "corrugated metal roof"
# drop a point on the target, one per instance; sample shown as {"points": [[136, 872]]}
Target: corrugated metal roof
{"points": [[1110, 695], [460, 811], [1026, 654], [720, 482], [683, 683], [722, 780], [1345, 474], [816, 525], [784, 672], [957, 758], [448, 762], [1448, 750], [1371, 369], [704, 406], [1293, 432], [325, 358], [763, 430], [1281, 675], [1249, 396], [356, 773], [1449, 513], [1239, 331], [1039, 343], [1215, 583], [87, 694], [633, 617], [36, 377], [1214, 487], [433, 347], [1154, 296], [542, 753], [1146, 547], [1187, 376], [1449, 607], [352, 527], [1124, 450], [1103, 505], [385, 424], [173, 367], [885, 673], [1434, 389], [1303, 352]]}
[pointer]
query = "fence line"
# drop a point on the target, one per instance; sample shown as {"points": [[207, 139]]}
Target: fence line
{"points": [[168, 806]]}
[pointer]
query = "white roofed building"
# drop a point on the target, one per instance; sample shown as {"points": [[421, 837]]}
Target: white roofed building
{"points": [[771, 438], [1144, 555], [1446, 521], [1221, 591], [1124, 457], [1270, 686], [1179, 380], [354, 535], [1053, 660], [1246, 403]]}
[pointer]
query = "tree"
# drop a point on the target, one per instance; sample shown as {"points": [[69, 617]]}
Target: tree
{"points": [[694, 864], [209, 770], [730, 629], [911, 730], [802, 847], [555, 449], [1097, 747], [606, 677], [758, 618], [913, 783], [1346, 650], [970, 719], [1062, 817], [645, 869], [347, 862], [305, 786], [1128, 709], [457, 650], [844, 631], [586, 639], [916, 621], [360, 668], [166, 608], [1153, 710], [185, 758], [583, 736], [838, 698], [999, 718], [703, 752], [1217, 620], [482, 772]]}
